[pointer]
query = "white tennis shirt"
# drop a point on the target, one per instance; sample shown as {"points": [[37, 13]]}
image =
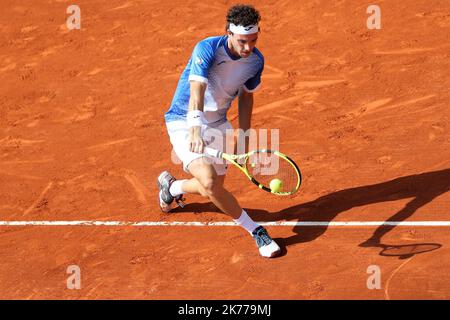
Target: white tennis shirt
{"points": [[225, 74]]}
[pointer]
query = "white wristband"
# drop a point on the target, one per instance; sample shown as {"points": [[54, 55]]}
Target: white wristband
{"points": [[194, 118]]}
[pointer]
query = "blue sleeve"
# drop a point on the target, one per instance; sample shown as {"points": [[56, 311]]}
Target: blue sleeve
{"points": [[201, 60], [252, 84]]}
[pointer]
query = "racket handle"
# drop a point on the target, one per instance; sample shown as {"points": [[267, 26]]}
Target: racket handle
{"points": [[213, 152]]}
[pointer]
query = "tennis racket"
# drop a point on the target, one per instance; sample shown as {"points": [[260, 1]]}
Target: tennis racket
{"points": [[263, 167]]}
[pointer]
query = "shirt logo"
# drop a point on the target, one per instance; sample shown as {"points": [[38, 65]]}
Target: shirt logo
{"points": [[221, 62], [199, 61]]}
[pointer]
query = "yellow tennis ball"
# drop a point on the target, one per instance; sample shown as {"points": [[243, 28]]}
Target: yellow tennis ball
{"points": [[276, 185]]}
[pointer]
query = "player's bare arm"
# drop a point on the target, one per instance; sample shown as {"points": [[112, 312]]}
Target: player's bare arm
{"points": [[245, 108], [196, 101]]}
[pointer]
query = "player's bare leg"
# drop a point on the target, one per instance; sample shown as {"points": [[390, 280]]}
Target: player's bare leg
{"points": [[193, 186], [209, 184]]}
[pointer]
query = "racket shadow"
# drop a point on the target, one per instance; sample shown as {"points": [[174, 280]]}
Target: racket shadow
{"points": [[423, 188], [404, 251]]}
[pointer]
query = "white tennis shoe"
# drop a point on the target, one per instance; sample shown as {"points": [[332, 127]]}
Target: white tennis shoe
{"points": [[267, 246], [166, 200]]}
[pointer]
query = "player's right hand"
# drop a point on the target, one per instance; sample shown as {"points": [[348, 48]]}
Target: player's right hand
{"points": [[195, 141]]}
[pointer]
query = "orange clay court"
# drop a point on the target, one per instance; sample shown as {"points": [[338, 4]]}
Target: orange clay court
{"points": [[364, 113]]}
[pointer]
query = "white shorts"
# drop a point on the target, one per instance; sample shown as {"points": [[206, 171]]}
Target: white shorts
{"points": [[213, 136]]}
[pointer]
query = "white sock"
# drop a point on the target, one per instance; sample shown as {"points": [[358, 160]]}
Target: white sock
{"points": [[176, 189], [246, 222]]}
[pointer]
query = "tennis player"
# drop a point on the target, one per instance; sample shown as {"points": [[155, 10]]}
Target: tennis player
{"points": [[220, 69]]}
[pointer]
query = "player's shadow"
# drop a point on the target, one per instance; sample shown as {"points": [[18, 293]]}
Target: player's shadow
{"points": [[423, 188]]}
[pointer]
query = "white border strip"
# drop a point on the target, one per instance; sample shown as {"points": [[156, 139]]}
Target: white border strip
{"points": [[228, 224]]}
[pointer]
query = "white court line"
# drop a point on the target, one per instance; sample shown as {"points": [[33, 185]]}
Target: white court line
{"points": [[228, 224]]}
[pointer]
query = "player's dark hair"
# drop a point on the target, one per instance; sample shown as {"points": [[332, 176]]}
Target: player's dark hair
{"points": [[242, 15]]}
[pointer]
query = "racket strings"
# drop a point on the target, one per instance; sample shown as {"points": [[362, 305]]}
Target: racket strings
{"points": [[266, 166]]}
